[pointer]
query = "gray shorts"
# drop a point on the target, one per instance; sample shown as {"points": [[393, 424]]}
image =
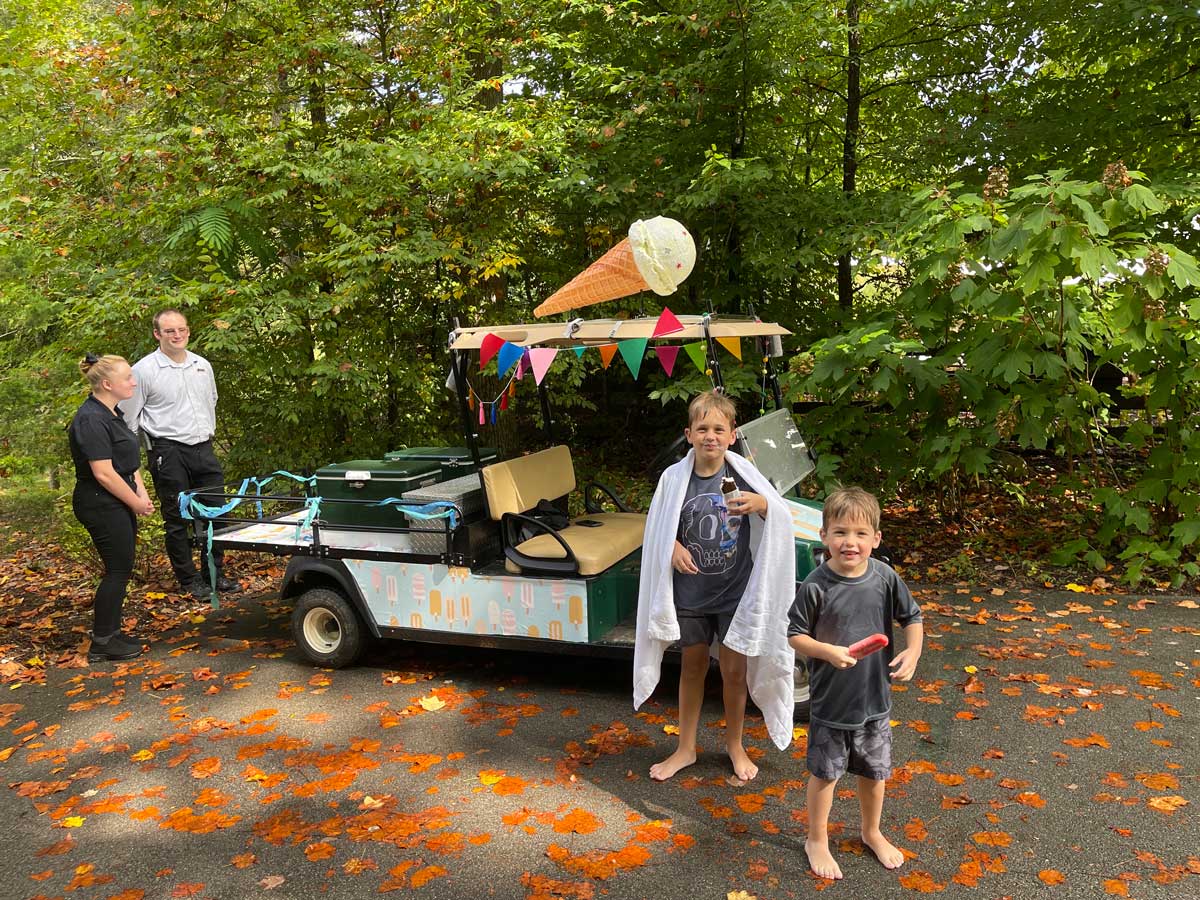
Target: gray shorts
{"points": [[865, 751], [700, 628]]}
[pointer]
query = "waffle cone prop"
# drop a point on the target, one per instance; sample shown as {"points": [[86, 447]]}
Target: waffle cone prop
{"points": [[657, 255]]}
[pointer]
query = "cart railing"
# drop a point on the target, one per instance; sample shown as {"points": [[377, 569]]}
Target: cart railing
{"points": [[291, 524]]}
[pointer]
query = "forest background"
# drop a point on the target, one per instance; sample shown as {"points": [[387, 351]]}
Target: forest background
{"points": [[979, 220]]}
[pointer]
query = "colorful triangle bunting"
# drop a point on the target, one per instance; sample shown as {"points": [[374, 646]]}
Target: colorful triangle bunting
{"points": [[696, 352], [732, 344], [667, 324], [579, 351], [666, 357], [607, 352], [489, 347], [539, 360], [632, 352]]}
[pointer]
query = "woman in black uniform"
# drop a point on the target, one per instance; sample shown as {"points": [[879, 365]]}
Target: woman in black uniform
{"points": [[109, 494]]}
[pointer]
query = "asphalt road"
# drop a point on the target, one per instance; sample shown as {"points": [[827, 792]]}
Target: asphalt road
{"points": [[222, 765]]}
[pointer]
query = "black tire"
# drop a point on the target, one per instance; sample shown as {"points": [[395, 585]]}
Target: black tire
{"points": [[327, 629], [803, 699]]}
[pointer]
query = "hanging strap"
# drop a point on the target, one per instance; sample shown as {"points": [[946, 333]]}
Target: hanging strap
{"points": [[189, 504]]}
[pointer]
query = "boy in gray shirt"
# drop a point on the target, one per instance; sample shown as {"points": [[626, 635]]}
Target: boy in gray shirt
{"points": [[848, 598]]}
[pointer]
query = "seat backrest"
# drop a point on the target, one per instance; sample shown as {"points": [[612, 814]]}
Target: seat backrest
{"points": [[517, 485]]}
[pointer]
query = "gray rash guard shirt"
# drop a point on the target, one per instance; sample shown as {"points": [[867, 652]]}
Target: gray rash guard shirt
{"points": [[836, 610]]}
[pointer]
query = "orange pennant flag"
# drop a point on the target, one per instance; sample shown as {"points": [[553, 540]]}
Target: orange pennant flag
{"points": [[732, 344], [607, 352]]}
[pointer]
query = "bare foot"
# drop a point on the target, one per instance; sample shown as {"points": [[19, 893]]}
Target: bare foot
{"points": [[743, 768], [680, 759], [885, 851], [821, 861]]}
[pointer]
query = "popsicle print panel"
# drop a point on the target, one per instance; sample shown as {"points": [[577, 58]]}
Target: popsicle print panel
{"points": [[454, 599]]}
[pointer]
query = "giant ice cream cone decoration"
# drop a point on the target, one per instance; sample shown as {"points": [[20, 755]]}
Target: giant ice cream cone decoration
{"points": [[658, 255]]}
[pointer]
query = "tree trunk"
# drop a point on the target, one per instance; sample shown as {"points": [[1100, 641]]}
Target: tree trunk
{"points": [[845, 278]]}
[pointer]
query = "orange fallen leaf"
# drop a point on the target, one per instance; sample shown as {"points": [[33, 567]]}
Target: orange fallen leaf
{"points": [[921, 882], [578, 821], [1166, 805], [1116, 886], [1051, 876]]}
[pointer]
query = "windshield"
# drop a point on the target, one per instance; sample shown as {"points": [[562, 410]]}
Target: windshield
{"points": [[775, 446]]}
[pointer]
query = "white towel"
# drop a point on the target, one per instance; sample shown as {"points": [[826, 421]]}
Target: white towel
{"points": [[759, 627]]}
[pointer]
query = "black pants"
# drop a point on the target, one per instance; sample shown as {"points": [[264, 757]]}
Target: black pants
{"points": [[176, 468], [113, 528]]}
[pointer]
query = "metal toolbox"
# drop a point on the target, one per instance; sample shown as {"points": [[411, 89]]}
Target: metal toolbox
{"points": [[465, 492], [371, 480]]}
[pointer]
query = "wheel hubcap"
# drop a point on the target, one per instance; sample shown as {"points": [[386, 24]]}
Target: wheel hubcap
{"points": [[322, 631]]}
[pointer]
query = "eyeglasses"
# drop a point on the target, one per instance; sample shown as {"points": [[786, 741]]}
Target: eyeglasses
{"points": [[174, 331]]}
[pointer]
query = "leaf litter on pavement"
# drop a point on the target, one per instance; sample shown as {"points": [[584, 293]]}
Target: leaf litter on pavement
{"points": [[419, 782]]}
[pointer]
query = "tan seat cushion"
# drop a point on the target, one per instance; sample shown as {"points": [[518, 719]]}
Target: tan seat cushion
{"points": [[596, 548], [517, 485]]}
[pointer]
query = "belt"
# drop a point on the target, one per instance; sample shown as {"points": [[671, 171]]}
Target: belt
{"points": [[154, 441]]}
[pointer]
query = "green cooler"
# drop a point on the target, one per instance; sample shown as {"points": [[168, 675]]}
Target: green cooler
{"points": [[455, 461], [371, 480]]}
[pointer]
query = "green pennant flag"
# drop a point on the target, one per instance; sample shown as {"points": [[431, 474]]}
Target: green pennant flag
{"points": [[696, 352], [632, 352], [579, 351]]}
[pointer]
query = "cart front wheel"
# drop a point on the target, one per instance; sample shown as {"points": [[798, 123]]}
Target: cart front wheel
{"points": [[326, 628]]}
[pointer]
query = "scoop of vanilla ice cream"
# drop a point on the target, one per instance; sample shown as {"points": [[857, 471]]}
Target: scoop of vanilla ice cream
{"points": [[663, 252]]}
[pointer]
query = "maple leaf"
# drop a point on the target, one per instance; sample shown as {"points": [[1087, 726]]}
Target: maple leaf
{"points": [[187, 889], [1051, 876], [1116, 886], [207, 767], [432, 703], [1162, 781], [740, 895], [922, 882], [243, 860], [578, 821], [271, 882], [423, 876], [1166, 805]]}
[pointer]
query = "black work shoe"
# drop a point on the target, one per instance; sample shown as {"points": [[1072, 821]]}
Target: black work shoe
{"points": [[115, 648], [228, 585], [197, 587]]}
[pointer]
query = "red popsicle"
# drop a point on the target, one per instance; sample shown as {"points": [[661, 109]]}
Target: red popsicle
{"points": [[868, 645]]}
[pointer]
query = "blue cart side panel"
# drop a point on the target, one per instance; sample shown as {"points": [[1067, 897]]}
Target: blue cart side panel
{"points": [[453, 599]]}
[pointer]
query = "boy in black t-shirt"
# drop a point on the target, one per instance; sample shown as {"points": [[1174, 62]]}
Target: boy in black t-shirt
{"points": [[850, 597]]}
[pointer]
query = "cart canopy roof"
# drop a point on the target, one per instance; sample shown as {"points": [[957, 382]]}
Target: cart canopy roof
{"points": [[595, 332]]}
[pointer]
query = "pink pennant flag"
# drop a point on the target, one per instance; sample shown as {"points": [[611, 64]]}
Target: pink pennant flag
{"points": [[666, 357], [539, 360], [488, 348], [523, 365], [667, 324]]}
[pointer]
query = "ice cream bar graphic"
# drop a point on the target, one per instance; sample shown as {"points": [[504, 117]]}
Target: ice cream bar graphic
{"points": [[435, 604], [555, 631], [480, 626], [450, 610], [575, 611], [532, 631], [558, 593], [657, 255], [508, 622], [460, 572], [376, 579], [394, 622], [527, 598], [418, 588], [507, 585], [390, 582], [415, 620], [464, 608], [494, 615]]}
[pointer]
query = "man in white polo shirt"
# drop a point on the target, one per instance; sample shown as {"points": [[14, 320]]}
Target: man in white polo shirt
{"points": [[175, 406]]}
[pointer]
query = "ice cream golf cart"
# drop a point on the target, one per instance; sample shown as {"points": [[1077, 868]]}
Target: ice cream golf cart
{"points": [[409, 548]]}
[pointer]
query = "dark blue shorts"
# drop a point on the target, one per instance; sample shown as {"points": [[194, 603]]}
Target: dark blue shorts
{"points": [[865, 751], [701, 628]]}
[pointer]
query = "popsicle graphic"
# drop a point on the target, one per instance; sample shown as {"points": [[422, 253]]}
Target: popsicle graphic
{"points": [[527, 598], [494, 615], [390, 582], [558, 594], [435, 604], [418, 588], [508, 622]]}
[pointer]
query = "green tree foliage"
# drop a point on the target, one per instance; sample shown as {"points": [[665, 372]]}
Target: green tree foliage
{"points": [[325, 188]]}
